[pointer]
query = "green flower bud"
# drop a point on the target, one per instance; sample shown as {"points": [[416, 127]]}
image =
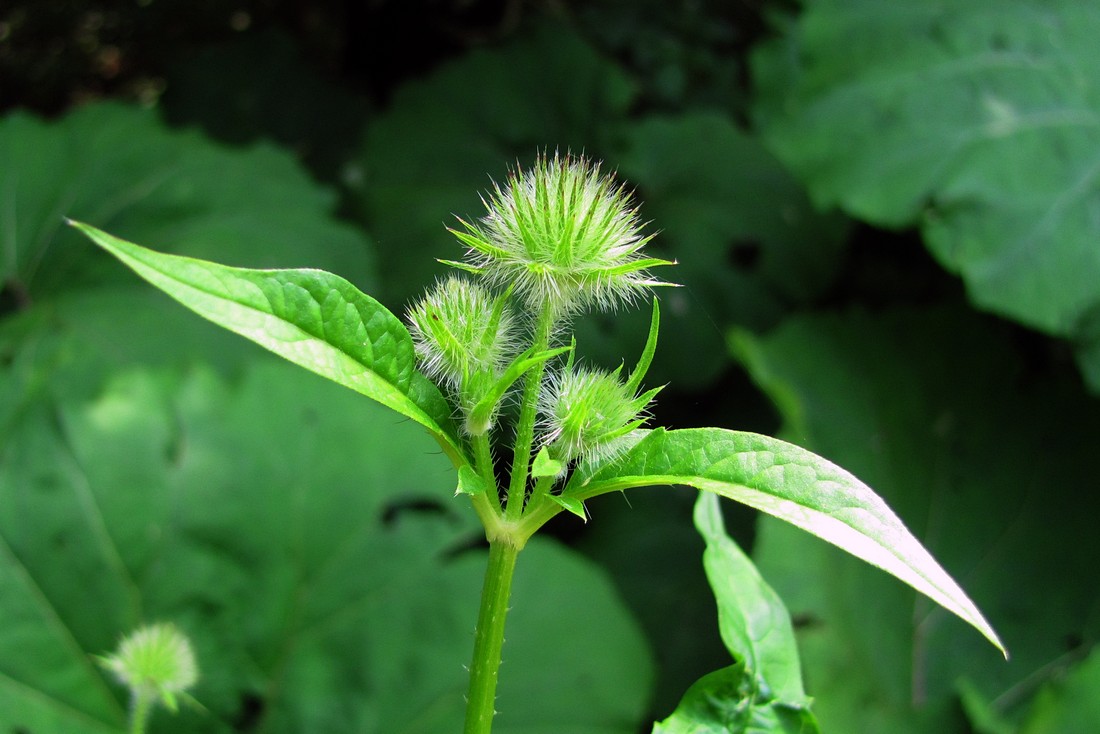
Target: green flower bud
{"points": [[587, 415], [564, 236], [464, 338], [155, 662]]}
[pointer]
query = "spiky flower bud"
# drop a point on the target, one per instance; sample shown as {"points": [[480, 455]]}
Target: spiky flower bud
{"points": [[564, 236], [464, 337], [586, 414], [155, 662]]}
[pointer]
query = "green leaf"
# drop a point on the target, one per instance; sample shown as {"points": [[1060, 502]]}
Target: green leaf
{"points": [[1069, 705], [715, 705], [980, 713], [763, 691], [602, 672], [792, 484], [122, 168], [1000, 172], [307, 546], [755, 625], [986, 454], [638, 374], [470, 482], [570, 504], [312, 318], [544, 466]]}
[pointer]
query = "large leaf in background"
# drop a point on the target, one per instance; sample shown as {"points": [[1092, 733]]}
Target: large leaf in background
{"points": [[308, 544], [312, 318], [762, 692], [749, 245], [979, 121], [790, 483], [1068, 705], [441, 139], [680, 58], [992, 464], [121, 168]]}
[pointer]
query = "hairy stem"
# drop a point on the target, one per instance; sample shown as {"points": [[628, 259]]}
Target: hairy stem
{"points": [[483, 462], [489, 637], [525, 429]]}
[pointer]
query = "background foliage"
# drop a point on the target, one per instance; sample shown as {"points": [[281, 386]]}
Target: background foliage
{"points": [[888, 223]]}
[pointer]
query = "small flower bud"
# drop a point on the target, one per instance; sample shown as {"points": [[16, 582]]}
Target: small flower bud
{"points": [[155, 660], [586, 414], [464, 337], [564, 236]]}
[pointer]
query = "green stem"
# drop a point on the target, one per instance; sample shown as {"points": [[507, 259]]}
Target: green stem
{"points": [[538, 494], [525, 429], [489, 639], [139, 715], [483, 462]]}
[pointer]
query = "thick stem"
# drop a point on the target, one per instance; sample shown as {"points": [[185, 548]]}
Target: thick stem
{"points": [[489, 639], [525, 429]]}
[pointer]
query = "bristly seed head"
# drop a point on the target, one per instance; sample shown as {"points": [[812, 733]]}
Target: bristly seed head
{"points": [[156, 659], [586, 414], [464, 337], [565, 237]]}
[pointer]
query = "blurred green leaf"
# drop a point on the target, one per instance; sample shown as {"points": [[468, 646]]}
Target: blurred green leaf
{"points": [[976, 121], [315, 319], [1068, 705], [669, 583], [574, 659], [762, 692], [748, 244], [120, 168], [681, 56], [792, 484], [980, 712], [442, 139], [310, 547], [991, 464]]}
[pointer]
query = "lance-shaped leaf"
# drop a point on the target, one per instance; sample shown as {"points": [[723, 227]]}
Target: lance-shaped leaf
{"points": [[792, 484], [636, 377], [312, 318]]}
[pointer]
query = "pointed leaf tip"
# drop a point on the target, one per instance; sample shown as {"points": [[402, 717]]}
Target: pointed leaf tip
{"points": [[792, 484]]}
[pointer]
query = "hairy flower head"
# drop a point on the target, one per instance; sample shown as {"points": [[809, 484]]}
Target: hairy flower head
{"points": [[565, 237], [157, 659], [587, 413], [464, 337]]}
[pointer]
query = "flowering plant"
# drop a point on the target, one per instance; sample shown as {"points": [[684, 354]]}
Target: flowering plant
{"points": [[156, 664], [486, 364]]}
